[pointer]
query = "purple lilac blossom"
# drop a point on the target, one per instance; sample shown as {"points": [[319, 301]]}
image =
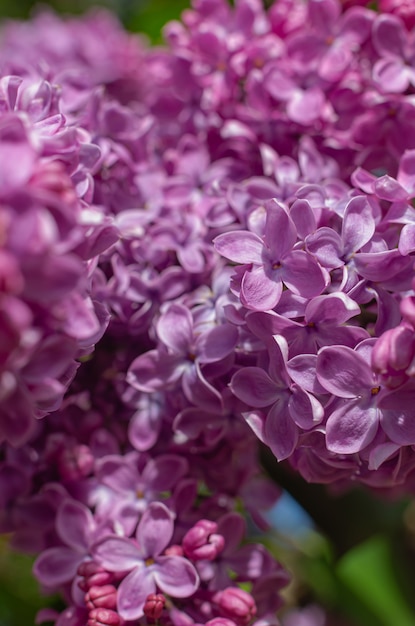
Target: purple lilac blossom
{"points": [[230, 221]]}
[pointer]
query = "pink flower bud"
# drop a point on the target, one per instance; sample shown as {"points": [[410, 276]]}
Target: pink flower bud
{"points": [[103, 617], [392, 355], [235, 604], [104, 597], [94, 576], [154, 605], [76, 462], [202, 542], [174, 550]]}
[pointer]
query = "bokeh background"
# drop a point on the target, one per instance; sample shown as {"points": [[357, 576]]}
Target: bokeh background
{"points": [[352, 553]]}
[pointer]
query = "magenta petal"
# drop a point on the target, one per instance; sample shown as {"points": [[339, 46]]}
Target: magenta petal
{"points": [[380, 266], [232, 527], [150, 371], [343, 372], [280, 233], [351, 427], [253, 386], [397, 415], [281, 434], [333, 308], [406, 173], [258, 291], [216, 344], [302, 370], [57, 566], [358, 224], [302, 274], [326, 245], [389, 36], [304, 409], [155, 529], [117, 554], [175, 329], [133, 592], [75, 523], [391, 75], [240, 246], [164, 472], [176, 576]]}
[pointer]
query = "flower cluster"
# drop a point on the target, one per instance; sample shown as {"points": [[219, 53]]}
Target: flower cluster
{"points": [[230, 220]]}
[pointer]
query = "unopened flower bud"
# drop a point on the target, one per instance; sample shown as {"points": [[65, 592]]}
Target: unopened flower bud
{"points": [[174, 550], [76, 462], [392, 355], [104, 597], [94, 575], [202, 541], [154, 605], [236, 604], [103, 617]]}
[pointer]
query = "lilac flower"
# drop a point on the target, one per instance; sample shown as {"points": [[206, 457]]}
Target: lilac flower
{"points": [[272, 261], [78, 530], [182, 355], [148, 570], [134, 485], [360, 406], [290, 406]]}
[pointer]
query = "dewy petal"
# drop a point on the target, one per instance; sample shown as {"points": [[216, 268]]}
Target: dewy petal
{"points": [[132, 593], [280, 233], [358, 224], [258, 291], [280, 432], [56, 566], [240, 246], [397, 414], [175, 329], [176, 576], [343, 372], [155, 529], [351, 427], [74, 524], [253, 386], [117, 554], [302, 274]]}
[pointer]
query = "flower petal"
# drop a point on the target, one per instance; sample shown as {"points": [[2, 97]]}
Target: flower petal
{"points": [[155, 529], [240, 246], [343, 372], [176, 576], [351, 427], [253, 386], [258, 291], [117, 554], [133, 592]]}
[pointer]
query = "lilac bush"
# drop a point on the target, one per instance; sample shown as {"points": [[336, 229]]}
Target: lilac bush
{"points": [[202, 246]]}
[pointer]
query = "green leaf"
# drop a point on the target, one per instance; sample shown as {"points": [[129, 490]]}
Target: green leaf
{"points": [[368, 571]]}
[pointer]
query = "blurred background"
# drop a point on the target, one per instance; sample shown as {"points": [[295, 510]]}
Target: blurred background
{"points": [[352, 555], [146, 16]]}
